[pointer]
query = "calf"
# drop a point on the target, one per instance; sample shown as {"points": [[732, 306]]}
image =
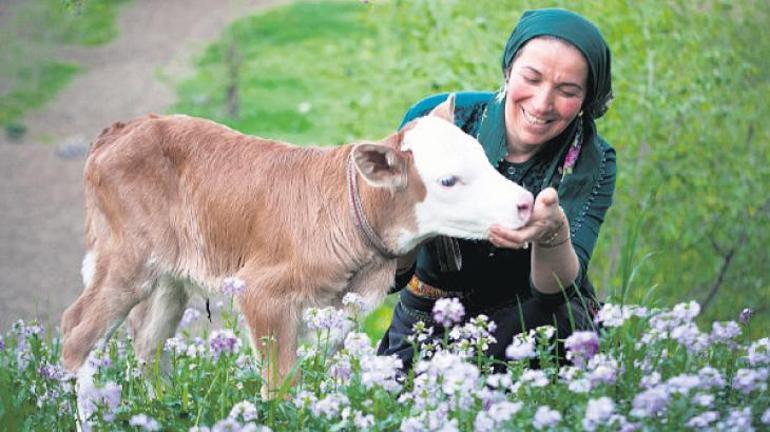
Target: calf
{"points": [[175, 203]]}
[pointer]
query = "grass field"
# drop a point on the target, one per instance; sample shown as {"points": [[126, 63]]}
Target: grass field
{"points": [[29, 69]]}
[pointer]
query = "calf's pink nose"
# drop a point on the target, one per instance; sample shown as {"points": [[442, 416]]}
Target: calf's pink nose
{"points": [[524, 208], [525, 211]]}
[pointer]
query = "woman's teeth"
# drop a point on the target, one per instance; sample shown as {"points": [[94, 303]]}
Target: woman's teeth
{"points": [[533, 119]]}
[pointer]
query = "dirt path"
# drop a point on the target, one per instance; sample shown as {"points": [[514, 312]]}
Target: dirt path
{"points": [[41, 204]]}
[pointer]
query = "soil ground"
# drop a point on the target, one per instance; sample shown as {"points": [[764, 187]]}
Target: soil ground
{"points": [[41, 198]]}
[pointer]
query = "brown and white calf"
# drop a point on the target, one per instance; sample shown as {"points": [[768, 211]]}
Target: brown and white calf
{"points": [[175, 203]]}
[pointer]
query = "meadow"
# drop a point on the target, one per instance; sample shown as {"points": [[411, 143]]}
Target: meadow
{"points": [[682, 342], [640, 369]]}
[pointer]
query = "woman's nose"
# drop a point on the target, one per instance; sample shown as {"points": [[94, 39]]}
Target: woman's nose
{"points": [[543, 101]]}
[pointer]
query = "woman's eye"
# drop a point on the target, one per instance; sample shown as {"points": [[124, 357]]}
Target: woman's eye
{"points": [[448, 181]]}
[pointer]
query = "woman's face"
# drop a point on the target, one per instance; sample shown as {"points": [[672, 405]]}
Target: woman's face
{"points": [[546, 89]]}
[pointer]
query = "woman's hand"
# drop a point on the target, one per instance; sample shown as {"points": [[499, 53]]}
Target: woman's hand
{"points": [[546, 223]]}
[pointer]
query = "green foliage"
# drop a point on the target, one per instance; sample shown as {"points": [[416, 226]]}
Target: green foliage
{"points": [[690, 82], [35, 88], [30, 72]]}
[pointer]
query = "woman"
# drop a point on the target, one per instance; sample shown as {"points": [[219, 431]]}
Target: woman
{"points": [[539, 131]]}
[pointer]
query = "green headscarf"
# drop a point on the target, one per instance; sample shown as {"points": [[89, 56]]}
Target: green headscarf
{"points": [[581, 33]]}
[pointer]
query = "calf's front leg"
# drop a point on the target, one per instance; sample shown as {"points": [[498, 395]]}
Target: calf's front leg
{"points": [[273, 322]]}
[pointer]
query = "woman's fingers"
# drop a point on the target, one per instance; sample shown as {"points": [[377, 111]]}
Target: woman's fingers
{"points": [[548, 197], [515, 239]]}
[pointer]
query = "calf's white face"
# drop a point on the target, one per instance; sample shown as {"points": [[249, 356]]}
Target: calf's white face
{"points": [[465, 194]]}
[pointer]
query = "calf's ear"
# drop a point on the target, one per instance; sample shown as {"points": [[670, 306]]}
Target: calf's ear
{"points": [[446, 109], [380, 165]]}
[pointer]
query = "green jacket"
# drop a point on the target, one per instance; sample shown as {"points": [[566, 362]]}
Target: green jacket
{"points": [[491, 275]]}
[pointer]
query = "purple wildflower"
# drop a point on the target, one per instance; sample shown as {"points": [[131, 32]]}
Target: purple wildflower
{"points": [[327, 318], [196, 348], [99, 359], [690, 337], [546, 417], [759, 352], [145, 422], [497, 414], [233, 286], [503, 411], [535, 378], [683, 383], [110, 396], [581, 385], [745, 316], [358, 344], [749, 380], [175, 345], [355, 301], [244, 411], [190, 315], [703, 399], [498, 380], [703, 420], [227, 425], [381, 371], [26, 331], [581, 346], [725, 332], [340, 368], [603, 370], [710, 377], [448, 311], [303, 399], [51, 372], [475, 334], [363, 421], [612, 315], [224, 341], [739, 420], [420, 332], [412, 424], [330, 406], [2, 344], [651, 402], [686, 312], [598, 412], [483, 423], [650, 380], [522, 347], [457, 375]]}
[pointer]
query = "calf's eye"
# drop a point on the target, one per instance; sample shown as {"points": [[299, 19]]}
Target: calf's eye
{"points": [[448, 181]]}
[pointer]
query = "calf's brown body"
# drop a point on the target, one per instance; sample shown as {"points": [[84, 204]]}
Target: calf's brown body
{"points": [[174, 202]]}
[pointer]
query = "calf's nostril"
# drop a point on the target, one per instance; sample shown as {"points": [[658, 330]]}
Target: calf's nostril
{"points": [[524, 210]]}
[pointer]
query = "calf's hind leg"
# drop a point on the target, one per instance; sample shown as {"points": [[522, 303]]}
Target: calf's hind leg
{"points": [[118, 285], [156, 318], [71, 317]]}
